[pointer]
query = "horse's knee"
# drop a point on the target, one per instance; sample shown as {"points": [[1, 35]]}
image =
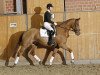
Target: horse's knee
{"points": [[21, 51], [32, 53], [54, 54], [70, 50]]}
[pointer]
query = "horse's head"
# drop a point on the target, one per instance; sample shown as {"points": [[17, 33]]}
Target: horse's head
{"points": [[71, 24], [75, 27]]}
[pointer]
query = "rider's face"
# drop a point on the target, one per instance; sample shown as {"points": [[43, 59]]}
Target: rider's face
{"points": [[51, 8]]}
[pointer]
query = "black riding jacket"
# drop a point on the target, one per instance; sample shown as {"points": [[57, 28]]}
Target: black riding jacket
{"points": [[47, 17]]}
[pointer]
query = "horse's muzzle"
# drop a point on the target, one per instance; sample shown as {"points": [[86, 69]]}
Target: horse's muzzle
{"points": [[77, 33]]}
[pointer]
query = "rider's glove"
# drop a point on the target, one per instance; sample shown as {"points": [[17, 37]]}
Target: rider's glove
{"points": [[55, 23], [53, 16]]}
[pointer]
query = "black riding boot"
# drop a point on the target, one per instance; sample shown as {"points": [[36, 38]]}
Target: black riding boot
{"points": [[50, 40]]}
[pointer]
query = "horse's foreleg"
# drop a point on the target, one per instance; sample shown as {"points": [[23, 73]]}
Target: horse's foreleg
{"points": [[71, 55], [63, 46], [53, 55], [62, 57], [32, 52]]}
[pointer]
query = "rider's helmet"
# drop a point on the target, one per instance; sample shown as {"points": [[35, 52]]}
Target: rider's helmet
{"points": [[49, 5]]}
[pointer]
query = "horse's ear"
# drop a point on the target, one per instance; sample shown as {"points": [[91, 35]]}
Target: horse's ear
{"points": [[78, 19]]}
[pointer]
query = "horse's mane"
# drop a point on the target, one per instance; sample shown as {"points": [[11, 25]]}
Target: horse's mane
{"points": [[65, 22]]}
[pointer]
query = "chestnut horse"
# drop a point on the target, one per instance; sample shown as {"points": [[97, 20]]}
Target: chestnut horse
{"points": [[32, 38]]}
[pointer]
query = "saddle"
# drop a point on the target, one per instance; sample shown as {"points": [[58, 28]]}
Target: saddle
{"points": [[49, 35], [45, 33]]}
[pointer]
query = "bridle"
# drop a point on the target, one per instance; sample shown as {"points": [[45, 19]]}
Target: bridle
{"points": [[74, 28]]}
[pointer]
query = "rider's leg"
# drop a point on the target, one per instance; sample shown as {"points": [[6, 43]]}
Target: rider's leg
{"points": [[51, 33], [48, 26]]}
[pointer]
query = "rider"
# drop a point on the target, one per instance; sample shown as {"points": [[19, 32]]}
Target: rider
{"points": [[48, 22]]}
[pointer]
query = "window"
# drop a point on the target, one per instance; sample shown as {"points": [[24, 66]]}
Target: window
{"points": [[20, 6], [24, 7]]}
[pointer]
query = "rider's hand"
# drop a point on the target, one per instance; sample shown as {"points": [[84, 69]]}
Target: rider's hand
{"points": [[53, 16], [55, 23]]}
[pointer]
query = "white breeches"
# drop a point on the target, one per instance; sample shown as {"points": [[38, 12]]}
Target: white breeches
{"points": [[48, 26]]}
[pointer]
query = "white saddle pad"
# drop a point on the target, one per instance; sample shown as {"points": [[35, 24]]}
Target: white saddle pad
{"points": [[43, 33]]}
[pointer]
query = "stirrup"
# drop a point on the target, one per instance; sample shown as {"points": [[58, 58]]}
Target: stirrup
{"points": [[51, 43], [52, 32]]}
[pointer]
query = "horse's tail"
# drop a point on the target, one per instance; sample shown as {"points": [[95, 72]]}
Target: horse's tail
{"points": [[12, 46], [20, 38], [17, 44]]}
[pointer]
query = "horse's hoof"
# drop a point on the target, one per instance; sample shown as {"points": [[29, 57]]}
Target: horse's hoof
{"points": [[13, 66], [50, 64], [72, 61], [6, 64], [32, 64], [40, 62], [43, 63], [64, 63]]}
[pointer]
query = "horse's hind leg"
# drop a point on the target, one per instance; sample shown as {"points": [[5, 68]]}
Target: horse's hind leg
{"points": [[53, 55], [32, 52], [26, 52], [18, 54], [62, 57], [8, 58], [46, 56]]}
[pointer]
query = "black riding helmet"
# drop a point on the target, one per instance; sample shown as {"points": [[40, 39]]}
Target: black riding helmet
{"points": [[49, 5]]}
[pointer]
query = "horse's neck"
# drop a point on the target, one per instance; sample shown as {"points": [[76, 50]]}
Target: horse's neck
{"points": [[62, 32]]}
